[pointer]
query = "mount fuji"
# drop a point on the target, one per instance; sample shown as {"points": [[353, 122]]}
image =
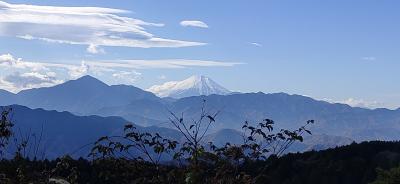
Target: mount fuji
{"points": [[193, 86]]}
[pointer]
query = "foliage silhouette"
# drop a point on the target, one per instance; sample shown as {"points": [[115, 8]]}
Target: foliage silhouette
{"points": [[5, 129], [391, 176], [198, 160]]}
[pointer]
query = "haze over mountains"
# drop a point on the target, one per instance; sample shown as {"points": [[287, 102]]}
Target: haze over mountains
{"points": [[65, 133], [58, 133], [88, 96]]}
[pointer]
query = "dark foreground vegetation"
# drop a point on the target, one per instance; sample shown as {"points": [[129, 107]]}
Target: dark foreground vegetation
{"points": [[352, 164], [142, 157]]}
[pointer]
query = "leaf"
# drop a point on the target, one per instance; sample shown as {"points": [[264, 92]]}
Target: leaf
{"points": [[128, 126], [211, 118], [250, 138], [102, 138]]}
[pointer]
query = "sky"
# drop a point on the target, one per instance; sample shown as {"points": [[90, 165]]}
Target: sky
{"points": [[334, 50]]}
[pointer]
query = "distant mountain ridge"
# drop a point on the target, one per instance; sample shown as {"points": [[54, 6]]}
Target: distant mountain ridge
{"points": [[81, 96], [196, 85], [291, 111], [66, 133], [6, 97], [89, 96], [311, 142]]}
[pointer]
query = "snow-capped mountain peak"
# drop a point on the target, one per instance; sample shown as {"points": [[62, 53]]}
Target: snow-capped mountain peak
{"points": [[193, 86]]}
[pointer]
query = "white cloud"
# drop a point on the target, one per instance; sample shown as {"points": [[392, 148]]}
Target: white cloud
{"points": [[369, 58], [256, 44], [6, 85], [77, 71], [94, 49], [91, 26], [363, 103], [129, 77], [31, 80], [8, 59], [162, 77], [193, 23], [17, 74], [358, 103]]}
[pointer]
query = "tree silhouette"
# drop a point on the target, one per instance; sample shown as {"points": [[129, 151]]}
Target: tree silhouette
{"points": [[391, 176], [5, 129], [134, 146]]}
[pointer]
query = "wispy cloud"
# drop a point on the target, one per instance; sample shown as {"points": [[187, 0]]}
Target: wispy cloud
{"points": [[256, 44], [369, 58], [91, 26], [129, 76], [93, 49], [31, 80], [160, 64], [162, 77], [17, 74], [193, 23]]}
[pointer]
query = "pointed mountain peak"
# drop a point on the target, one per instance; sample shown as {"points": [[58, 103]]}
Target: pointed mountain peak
{"points": [[87, 79], [198, 78], [85, 83], [195, 85]]}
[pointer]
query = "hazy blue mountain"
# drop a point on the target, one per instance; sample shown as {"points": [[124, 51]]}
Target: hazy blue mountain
{"points": [[223, 136], [311, 142], [89, 96], [84, 95], [65, 133], [6, 97], [323, 141], [152, 109], [291, 111]]}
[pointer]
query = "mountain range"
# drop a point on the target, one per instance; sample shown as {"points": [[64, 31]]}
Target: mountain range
{"points": [[88, 96], [52, 134], [81, 96], [65, 133]]}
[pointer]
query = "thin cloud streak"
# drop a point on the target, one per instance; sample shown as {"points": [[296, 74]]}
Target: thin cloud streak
{"points": [[256, 44], [369, 58], [193, 23], [160, 64]]}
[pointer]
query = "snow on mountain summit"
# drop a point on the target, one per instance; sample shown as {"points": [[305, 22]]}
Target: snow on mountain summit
{"points": [[192, 86]]}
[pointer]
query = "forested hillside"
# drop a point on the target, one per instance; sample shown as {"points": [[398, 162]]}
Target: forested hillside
{"points": [[352, 164]]}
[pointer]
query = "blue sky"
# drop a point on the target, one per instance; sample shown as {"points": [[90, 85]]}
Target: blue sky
{"points": [[339, 50]]}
